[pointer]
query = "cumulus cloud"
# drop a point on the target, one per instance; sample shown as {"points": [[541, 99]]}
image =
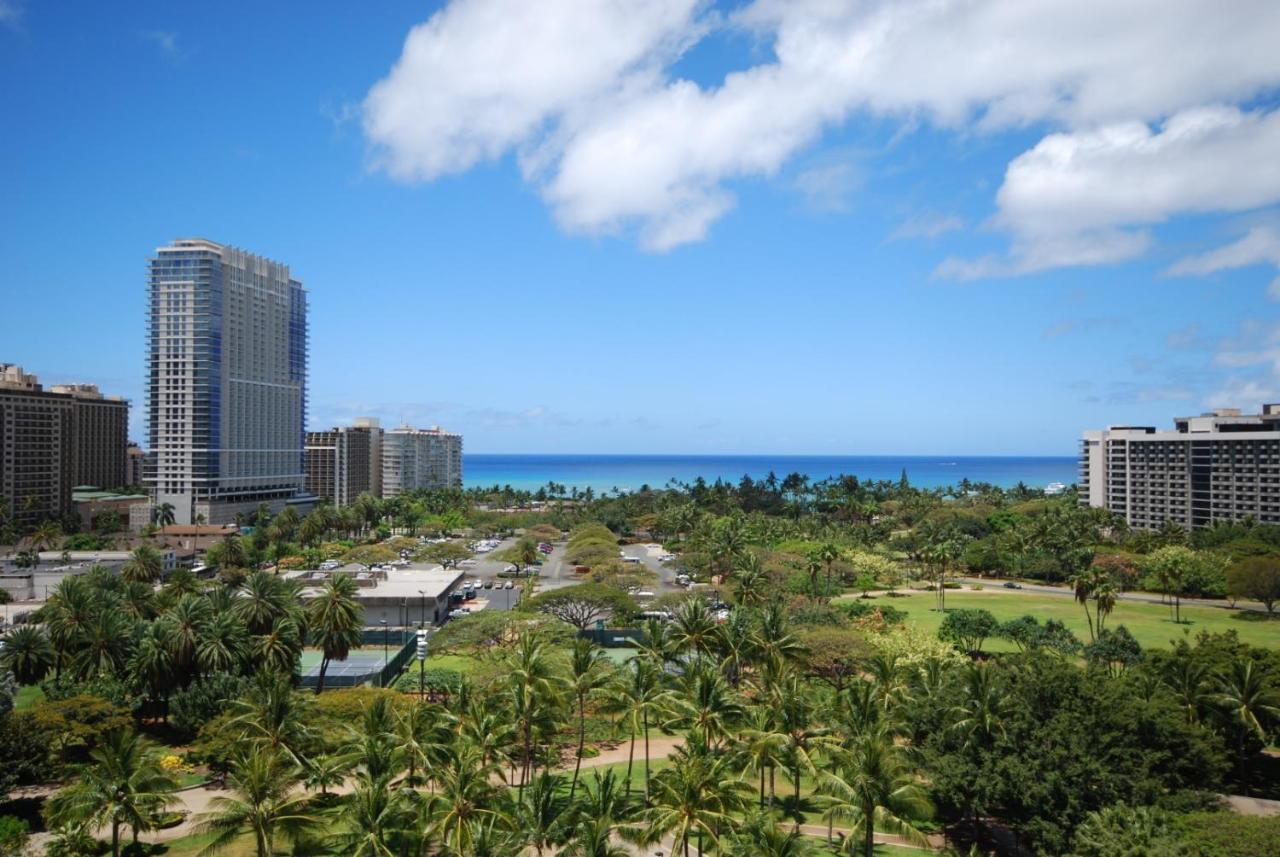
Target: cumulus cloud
{"points": [[1252, 359], [1259, 246], [584, 93], [1076, 197]]}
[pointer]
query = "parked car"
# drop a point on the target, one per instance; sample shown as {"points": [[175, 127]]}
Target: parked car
{"points": [[510, 585], [488, 584]]}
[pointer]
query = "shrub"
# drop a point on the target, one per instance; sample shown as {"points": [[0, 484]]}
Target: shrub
{"points": [[1225, 834], [13, 836], [968, 629], [203, 700], [862, 610]]}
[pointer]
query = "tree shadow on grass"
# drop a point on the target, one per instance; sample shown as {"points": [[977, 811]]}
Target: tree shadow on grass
{"points": [[1254, 616]]}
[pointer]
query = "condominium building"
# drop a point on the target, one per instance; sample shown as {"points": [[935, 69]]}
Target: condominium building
{"points": [[53, 440], [344, 462], [420, 458], [1221, 466], [226, 383]]}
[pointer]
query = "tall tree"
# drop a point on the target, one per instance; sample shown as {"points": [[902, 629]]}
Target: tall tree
{"points": [[123, 785], [335, 619], [263, 802]]}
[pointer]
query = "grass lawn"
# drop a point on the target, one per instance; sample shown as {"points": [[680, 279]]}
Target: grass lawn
{"points": [[189, 846], [27, 696], [1149, 623]]}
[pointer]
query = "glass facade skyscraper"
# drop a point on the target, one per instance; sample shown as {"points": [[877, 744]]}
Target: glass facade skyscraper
{"points": [[226, 381]]}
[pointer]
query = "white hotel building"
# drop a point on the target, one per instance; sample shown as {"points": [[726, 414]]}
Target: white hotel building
{"points": [[1222, 466], [420, 458]]}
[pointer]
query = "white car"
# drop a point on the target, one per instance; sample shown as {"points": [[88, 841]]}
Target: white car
{"points": [[510, 585], [467, 563]]}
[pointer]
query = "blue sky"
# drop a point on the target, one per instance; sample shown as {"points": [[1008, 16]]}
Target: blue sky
{"points": [[670, 226]]}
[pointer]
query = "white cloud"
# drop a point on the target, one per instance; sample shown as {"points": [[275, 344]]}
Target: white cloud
{"points": [[11, 13], [583, 93], [1259, 246], [165, 40], [482, 77], [1253, 358], [828, 187], [927, 226], [1075, 198]]}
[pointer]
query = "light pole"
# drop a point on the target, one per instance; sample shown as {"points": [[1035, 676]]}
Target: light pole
{"points": [[422, 664], [422, 612], [384, 652]]}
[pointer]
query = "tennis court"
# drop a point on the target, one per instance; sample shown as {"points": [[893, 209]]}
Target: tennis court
{"points": [[358, 668]]}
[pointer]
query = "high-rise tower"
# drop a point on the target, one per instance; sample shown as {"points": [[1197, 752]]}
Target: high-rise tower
{"points": [[226, 381]]}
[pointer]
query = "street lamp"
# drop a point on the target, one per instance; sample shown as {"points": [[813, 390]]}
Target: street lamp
{"points": [[422, 664], [384, 652], [422, 613]]}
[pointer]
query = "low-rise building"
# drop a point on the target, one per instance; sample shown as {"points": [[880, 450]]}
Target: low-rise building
{"points": [[402, 598]]}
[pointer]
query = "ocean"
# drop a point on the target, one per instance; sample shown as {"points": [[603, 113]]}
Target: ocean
{"points": [[628, 472]]}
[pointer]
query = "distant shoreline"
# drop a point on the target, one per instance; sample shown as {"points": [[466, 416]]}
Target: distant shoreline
{"points": [[604, 472]]}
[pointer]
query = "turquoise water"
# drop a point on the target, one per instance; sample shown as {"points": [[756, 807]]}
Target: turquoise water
{"points": [[629, 472]]}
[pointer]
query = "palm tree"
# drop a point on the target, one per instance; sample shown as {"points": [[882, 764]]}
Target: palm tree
{"points": [[163, 515], [261, 781], [1083, 583], [870, 785], [145, 565], [44, 536], [805, 739], [750, 580], [151, 663], [27, 653], [694, 797], [639, 693], [694, 628], [542, 813], [104, 649], [760, 747], [278, 649], [587, 674], [828, 553], [336, 619], [222, 644], [67, 615], [271, 714], [985, 705], [759, 835], [708, 708], [1189, 681], [263, 599], [536, 687], [1248, 704], [466, 801], [184, 625], [376, 820], [312, 529], [123, 785]]}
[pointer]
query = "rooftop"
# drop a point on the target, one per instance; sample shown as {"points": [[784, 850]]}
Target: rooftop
{"points": [[404, 583]]}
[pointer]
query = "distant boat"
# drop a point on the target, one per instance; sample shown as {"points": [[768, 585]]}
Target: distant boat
{"points": [[1054, 488]]}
